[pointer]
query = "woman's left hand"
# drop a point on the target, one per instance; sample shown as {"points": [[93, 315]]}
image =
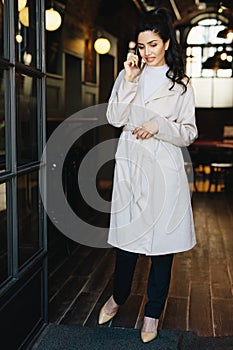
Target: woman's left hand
{"points": [[141, 133], [146, 130]]}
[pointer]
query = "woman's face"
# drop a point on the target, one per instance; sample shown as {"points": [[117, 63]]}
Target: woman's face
{"points": [[152, 48]]}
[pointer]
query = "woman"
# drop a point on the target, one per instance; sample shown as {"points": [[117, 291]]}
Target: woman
{"points": [[151, 210]]}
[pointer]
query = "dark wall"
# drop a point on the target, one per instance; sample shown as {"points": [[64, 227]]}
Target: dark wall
{"points": [[210, 122], [118, 17]]}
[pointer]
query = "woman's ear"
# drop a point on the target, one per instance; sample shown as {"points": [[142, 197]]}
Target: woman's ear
{"points": [[167, 44]]}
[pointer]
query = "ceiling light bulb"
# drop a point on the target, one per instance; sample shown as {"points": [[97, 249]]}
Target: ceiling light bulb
{"points": [[24, 16], [21, 4], [230, 35], [102, 46], [19, 38], [52, 19], [223, 56], [132, 44]]}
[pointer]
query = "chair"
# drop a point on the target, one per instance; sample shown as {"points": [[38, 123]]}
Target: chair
{"points": [[219, 174], [228, 133]]}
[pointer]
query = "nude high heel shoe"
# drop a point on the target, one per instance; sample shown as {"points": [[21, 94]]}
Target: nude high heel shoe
{"points": [[104, 317], [148, 336]]}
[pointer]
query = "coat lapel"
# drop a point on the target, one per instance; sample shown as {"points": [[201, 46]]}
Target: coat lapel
{"points": [[164, 91]]}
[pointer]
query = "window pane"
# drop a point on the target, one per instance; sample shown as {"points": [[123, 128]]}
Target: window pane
{"points": [[203, 91], [213, 92], [28, 216], [2, 121], [196, 36], [223, 92], [193, 61], [26, 104], [3, 234], [26, 33], [224, 73], [54, 52]]}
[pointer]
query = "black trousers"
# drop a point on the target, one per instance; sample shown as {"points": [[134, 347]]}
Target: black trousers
{"points": [[158, 280]]}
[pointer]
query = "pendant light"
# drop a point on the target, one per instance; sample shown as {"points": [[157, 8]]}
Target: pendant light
{"points": [[102, 45], [52, 19], [21, 4], [226, 33], [218, 61], [24, 16]]}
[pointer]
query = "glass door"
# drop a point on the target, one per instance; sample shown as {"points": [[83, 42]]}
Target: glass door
{"points": [[23, 248]]}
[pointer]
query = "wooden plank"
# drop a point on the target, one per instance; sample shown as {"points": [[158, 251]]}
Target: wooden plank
{"points": [[200, 313], [223, 317], [199, 255], [100, 277], [58, 278], [62, 301], [90, 263], [221, 286], [225, 221], [180, 277], [81, 309], [219, 276], [176, 314]]}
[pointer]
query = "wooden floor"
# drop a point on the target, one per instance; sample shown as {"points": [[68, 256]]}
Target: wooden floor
{"points": [[201, 292]]}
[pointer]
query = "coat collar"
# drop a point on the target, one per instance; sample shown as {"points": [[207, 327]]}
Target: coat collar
{"points": [[164, 91]]}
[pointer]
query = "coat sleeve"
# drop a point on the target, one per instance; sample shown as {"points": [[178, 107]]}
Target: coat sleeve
{"points": [[123, 93], [183, 131]]}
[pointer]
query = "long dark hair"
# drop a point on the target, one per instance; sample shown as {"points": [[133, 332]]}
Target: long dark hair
{"points": [[159, 21]]}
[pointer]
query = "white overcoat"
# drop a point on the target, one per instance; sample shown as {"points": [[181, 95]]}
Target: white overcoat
{"points": [[151, 209]]}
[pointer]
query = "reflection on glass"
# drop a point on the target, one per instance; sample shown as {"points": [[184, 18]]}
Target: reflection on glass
{"points": [[26, 32], [2, 123], [3, 234], [54, 52], [26, 105], [28, 216]]}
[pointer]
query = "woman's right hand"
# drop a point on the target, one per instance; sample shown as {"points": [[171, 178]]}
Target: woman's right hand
{"points": [[131, 68]]}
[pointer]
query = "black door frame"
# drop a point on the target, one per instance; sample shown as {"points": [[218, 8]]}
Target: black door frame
{"points": [[23, 294]]}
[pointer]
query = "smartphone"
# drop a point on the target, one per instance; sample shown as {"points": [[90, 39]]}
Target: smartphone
{"points": [[140, 60]]}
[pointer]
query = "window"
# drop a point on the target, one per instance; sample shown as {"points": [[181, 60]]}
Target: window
{"points": [[22, 135], [202, 43], [23, 267]]}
